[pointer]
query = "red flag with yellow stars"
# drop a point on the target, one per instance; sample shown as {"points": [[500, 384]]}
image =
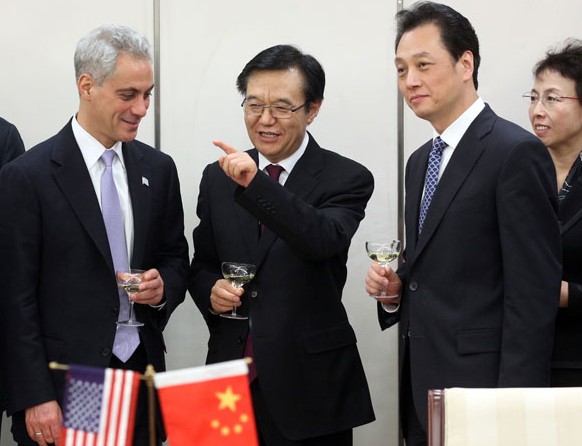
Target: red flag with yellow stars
{"points": [[209, 405]]}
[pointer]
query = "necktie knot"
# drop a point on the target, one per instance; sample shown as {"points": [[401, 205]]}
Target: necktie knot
{"points": [[108, 157], [274, 171], [438, 145]]}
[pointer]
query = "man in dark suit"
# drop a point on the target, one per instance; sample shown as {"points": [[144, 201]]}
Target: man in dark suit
{"points": [[60, 301], [481, 275], [310, 387], [11, 146]]}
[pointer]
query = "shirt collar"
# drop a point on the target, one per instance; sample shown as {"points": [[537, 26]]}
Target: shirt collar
{"points": [[454, 132], [91, 149], [288, 163]]}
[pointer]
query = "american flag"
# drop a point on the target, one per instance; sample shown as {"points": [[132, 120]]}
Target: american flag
{"points": [[99, 407]]}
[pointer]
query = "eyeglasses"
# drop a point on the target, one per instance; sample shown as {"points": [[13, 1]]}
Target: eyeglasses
{"points": [[277, 111], [549, 100]]}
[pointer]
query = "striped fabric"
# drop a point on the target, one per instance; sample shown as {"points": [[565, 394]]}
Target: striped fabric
{"points": [[513, 417], [99, 407]]}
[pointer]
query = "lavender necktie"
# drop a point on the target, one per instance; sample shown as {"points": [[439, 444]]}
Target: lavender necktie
{"points": [[126, 338], [432, 178]]}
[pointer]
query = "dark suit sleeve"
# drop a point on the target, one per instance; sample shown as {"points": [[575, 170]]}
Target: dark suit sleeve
{"points": [[531, 253], [204, 270], [575, 298], [320, 230], [172, 254], [20, 244], [11, 145]]}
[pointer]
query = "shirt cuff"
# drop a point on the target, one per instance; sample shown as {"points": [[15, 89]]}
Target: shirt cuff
{"points": [[158, 307]]}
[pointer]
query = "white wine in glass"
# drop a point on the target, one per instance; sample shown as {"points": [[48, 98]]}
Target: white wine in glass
{"points": [[129, 281], [384, 252], [238, 274]]}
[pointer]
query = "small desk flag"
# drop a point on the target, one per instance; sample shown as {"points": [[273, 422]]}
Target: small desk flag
{"points": [[99, 406], [209, 405]]}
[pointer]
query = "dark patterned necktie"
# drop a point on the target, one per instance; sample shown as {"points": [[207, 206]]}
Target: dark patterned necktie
{"points": [[274, 172], [432, 178]]}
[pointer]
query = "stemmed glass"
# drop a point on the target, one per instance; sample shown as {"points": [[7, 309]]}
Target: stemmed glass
{"points": [[383, 252], [129, 281], [237, 274]]}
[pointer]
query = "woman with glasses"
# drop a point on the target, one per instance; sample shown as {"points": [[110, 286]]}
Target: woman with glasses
{"points": [[555, 112]]}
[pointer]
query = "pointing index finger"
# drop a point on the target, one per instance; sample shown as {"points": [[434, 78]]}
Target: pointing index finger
{"points": [[225, 147]]}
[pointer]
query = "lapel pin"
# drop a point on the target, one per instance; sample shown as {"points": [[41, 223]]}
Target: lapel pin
{"points": [[145, 181]]}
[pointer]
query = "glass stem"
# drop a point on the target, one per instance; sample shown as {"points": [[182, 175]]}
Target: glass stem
{"points": [[130, 317]]}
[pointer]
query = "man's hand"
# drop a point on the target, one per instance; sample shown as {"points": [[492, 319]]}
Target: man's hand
{"points": [[151, 289], [238, 166], [384, 284], [43, 423], [224, 296]]}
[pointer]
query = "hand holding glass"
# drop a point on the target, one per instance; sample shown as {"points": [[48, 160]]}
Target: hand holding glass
{"points": [[129, 281], [237, 274], [383, 252]]}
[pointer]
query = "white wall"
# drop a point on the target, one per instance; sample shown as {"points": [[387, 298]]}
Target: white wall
{"points": [[205, 44]]}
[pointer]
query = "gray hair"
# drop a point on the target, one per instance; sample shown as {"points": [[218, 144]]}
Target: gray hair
{"points": [[97, 52]]}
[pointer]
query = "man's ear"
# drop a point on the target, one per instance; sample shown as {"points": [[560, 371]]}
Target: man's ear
{"points": [[85, 85]]}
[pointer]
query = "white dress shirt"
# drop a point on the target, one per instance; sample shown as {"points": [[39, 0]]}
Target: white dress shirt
{"points": [[91, 149]]}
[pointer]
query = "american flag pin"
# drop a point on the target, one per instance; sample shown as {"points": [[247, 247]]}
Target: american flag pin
{"points": [[145, 181]]}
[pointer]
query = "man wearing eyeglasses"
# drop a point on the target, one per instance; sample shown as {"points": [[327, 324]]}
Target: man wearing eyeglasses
{"points": [[289, 207]]}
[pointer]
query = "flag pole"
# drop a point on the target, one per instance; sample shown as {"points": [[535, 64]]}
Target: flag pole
{"points": [[149, 379], [54, 365]]}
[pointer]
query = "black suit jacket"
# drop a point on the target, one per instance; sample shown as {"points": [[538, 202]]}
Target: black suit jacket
{"points": [[305, 349], [481, 283], [568, 340], [60, 300], [11, 146]]}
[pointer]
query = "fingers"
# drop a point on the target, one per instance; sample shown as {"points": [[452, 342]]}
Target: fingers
{"points": [[151, 289], [223, 296], [43, 423], [383, 282], [225, 147], [238, 166], [375, 279]]}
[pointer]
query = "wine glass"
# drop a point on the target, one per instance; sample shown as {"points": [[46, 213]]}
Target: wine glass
{"points": [[129, 281], [383, 252], [237, 274]]}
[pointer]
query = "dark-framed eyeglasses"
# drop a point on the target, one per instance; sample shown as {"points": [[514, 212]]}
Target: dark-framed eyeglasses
{"points": [[548, 100], [253, 108]]}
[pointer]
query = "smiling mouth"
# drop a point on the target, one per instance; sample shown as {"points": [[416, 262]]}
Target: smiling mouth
{"points": [[268, 134], [541, 127]]}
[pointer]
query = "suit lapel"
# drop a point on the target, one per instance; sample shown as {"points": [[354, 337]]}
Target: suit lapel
{"points": [[139, 182], [301, 181], [460, 165], [71, 174], [246, 224], [416, 173]]}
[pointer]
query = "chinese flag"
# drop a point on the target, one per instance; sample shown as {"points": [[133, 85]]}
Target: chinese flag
{"points": [[209, 405]]}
